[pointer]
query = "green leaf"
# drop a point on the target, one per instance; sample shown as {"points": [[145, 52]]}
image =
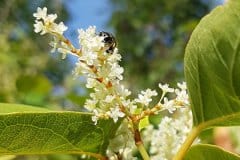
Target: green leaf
{"points": [[212, 70], [8, 157], [11, 108], [30, 130], [144, 123], [209, 152]]}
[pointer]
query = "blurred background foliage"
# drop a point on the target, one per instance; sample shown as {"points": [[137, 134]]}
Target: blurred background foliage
{"points": [[27, 73], [151, 36]]}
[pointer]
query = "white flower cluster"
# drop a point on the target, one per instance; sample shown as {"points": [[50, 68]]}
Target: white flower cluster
{"points": [[145, 97], [103, 75], [44, 23], [109, 98], [101, 69], [180, 101], [122, 145], [167, 139]]}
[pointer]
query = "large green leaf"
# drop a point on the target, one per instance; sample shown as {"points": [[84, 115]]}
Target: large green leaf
{"points": [[11, 108], [209, 152], [212, 67], [29, 130], [7, 157]]}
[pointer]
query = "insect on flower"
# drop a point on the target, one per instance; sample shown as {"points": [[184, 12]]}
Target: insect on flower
{"points": [[109, 41]]}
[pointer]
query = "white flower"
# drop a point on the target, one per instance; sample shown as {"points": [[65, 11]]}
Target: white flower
{"points": [[122, 143], [165, 88], [90, 104], [146, 97], [50, 18], [41, 13], [91, 31], [81, 68], [100, 95], [114, 57], [109, 98], [90, 40], [182, 95], [89, 58], [91, 83], [44, 23], [115, 113], [38, 27], [172, 131], [95, 117], [169, 105], [102, 71], [130, 105], [122, 91], [60, 28], [116, 72], [182, 85]]}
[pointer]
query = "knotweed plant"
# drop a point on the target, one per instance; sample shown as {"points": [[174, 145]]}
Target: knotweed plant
{"points": [[98, 61]]}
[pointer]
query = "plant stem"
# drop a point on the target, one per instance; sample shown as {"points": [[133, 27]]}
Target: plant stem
{"points": [[143, 151], [139, 142], [187, 144]]}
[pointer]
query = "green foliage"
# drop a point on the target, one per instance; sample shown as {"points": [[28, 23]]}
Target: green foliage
{"points": [[30, 130], [212, 73], [212, 67], [144, 123], [209, 152], [19, 58], [9, 108], [23, 55], [33, 89], [19, 13], [7, 157], [28, 74]]}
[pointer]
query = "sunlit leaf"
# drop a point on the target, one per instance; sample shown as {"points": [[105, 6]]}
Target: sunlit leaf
{"points": [[212, 71], [209, 152], [144, 123], [29, 130], [7, 157]]}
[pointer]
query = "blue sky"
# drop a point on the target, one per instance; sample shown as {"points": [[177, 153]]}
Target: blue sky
{"points": [[86, 13], [90, 12], [95, 12]]}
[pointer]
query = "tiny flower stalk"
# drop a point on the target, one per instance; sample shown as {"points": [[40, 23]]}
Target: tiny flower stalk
{"points": [[98, 61]]}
